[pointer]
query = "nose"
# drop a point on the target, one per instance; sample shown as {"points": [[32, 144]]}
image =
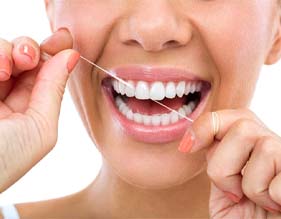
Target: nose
{"points": [[155, 26]]}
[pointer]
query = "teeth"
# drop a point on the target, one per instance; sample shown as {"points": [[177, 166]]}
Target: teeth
{"points": [[130, 91], [174, 117], [138, 118], [192, 88], [157, 90], [165, 119], [146, 120], [180, 88], [142, 90], [187, 88], [154, 120], [171, 90], [121, 88], [130, 115]]}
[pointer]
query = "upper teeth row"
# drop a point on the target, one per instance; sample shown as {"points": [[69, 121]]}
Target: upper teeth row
{"points": [[157, 90]]}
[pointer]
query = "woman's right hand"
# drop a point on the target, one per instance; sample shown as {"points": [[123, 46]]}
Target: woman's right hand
{"points": [[31, 92]]}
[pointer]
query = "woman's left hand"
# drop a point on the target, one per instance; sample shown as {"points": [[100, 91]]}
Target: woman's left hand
{"points": [[244, 164]]}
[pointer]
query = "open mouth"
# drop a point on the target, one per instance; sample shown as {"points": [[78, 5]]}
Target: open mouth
{"points": [[146, 120], [136, 102]]}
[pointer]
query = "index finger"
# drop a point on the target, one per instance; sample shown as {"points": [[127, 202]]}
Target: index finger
{"points": [[203, 127]]}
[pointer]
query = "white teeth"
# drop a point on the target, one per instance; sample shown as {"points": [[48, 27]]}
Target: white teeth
{"points": [[146, 120], [165, 119], [187, 109], [116, 86], [154, 120], [121, 87], [181, 111], [130, 91], [142, 90], [130, 115], [174, 117], [192, 88], [171, 90], [187, 88], [157, 91], [138, 118], [180, 88]]}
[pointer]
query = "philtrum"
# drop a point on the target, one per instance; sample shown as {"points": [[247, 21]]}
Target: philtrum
{"points": [[45, 56]]}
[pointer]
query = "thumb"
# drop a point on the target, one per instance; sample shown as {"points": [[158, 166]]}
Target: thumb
{"points": [[50, 84], [58, 41]]}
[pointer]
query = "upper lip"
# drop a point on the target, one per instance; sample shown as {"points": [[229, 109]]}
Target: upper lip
{"points": [[151, 74]]}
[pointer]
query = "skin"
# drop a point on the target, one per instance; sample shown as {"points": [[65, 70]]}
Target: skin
{"points": [[192, 35]]}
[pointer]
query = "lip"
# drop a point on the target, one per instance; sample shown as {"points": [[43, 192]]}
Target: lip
{"points": [[154, 134], [150, 74]]}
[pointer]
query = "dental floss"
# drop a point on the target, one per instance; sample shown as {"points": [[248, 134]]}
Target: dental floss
{"points": [[45, 57]]}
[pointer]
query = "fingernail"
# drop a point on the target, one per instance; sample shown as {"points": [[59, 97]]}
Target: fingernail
{"points": [[187, 142], [28, 51], [272, 210], [232, 197], [72, 61], [5, 68]]}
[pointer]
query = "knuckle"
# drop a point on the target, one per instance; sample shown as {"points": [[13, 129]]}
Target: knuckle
{"points": [[244, 127], [253, 190], [248, 113], [267, 146], [215, 173], [274, 191]]}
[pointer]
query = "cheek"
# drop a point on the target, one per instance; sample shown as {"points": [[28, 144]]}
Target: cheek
{"points": [[237, 39]]}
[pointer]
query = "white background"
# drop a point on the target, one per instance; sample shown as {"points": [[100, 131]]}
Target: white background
{"points": [[75, 162]]}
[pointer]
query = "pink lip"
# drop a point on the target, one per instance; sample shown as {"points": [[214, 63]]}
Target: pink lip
{"points": [[153, 134], [150, 74]]}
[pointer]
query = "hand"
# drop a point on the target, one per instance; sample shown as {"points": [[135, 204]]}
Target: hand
{"points": [[30, 97], [244, 164]]}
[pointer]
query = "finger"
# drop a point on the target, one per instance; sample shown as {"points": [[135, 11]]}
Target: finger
{"points": [[202, 130], [26, 54], [50, 84], [5, 60], [18, 98], [60, 40], [5, 88], [231, 155], [275, 189], [262, 167]]}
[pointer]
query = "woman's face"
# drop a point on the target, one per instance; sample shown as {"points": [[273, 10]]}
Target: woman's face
{"points": [[166, 48]]}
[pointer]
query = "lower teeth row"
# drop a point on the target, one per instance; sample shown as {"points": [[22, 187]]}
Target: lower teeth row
{"points": [[157, 119]]}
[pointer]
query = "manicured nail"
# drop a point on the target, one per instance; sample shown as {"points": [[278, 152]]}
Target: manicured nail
{"points": [[232, 197], [72, 61], [272, 210], [5, 68], [28, 51], [187, 142]]}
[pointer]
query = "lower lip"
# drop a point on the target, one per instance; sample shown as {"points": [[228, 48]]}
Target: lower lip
{"points": [[152, 134]]}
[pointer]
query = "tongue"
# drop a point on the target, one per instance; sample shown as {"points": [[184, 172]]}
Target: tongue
{"points": [[148, 107]]}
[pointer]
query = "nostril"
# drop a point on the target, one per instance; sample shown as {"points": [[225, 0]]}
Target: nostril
{"points": [[171, 44], [132, 42]]}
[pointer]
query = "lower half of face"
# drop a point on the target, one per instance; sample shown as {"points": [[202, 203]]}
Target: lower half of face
{"points": [[191, 67]]}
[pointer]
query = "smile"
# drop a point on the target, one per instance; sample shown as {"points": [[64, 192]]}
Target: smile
{"points": [[143, 119]]}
